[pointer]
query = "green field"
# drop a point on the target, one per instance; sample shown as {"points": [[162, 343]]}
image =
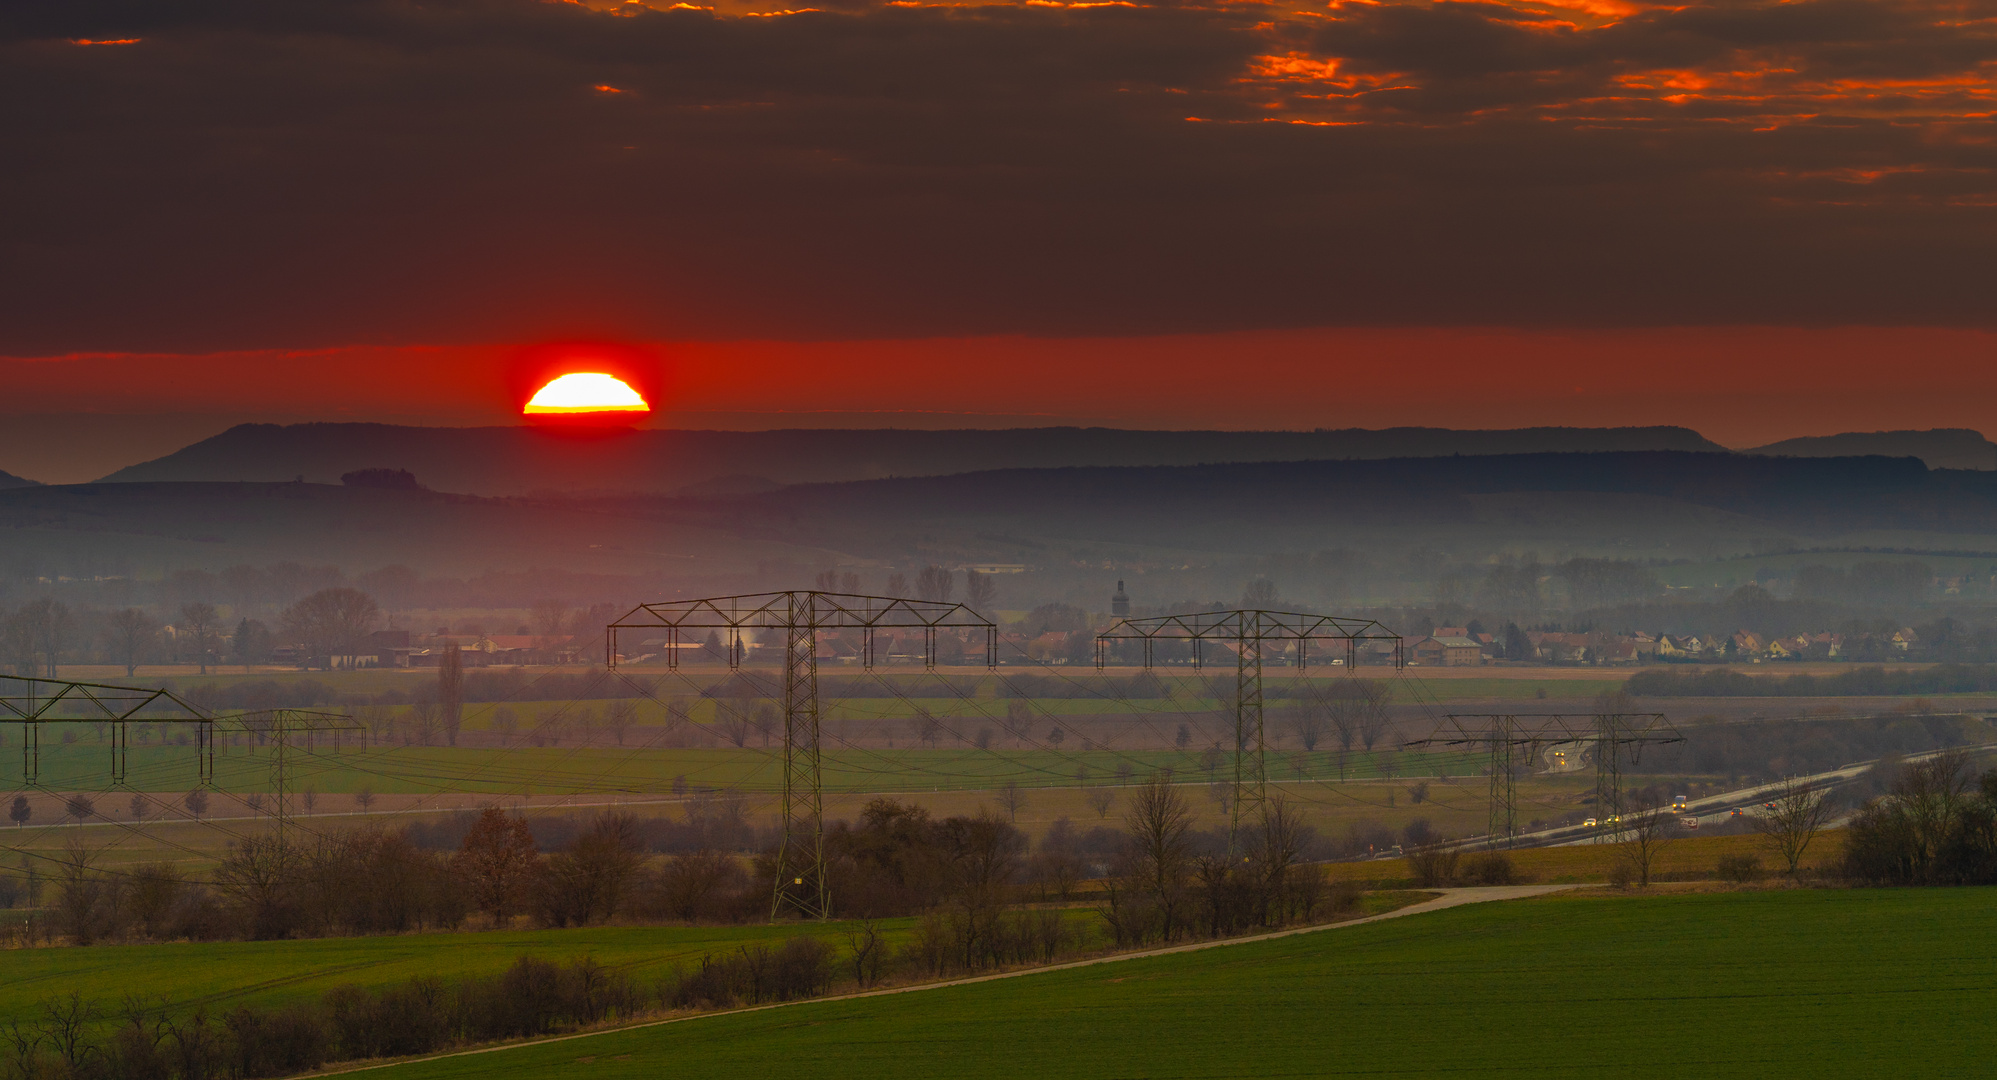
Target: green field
{"points": [[558, 770], [233, 973], [1831, 983]]}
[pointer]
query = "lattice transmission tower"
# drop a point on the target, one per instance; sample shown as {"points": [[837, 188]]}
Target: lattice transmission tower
{"points": [[799, 616], [35, 703], [1515, 740], [1247, 631]]}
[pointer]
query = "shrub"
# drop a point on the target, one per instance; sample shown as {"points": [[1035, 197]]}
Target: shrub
{"points": [[1491, 868], [1433, 865], [712, 985], [531, 998], [1343, 896], [800, 968], [413, 1018], [137, 1053], [1740, 868], [278, 1043]]}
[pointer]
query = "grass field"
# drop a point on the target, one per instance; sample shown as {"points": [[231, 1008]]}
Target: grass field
{"points": [[1830, 983], [264, 973], [550, 770], [275, 972]]}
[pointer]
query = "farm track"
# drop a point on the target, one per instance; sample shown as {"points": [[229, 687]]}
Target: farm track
{"points": [[1446, 898]]}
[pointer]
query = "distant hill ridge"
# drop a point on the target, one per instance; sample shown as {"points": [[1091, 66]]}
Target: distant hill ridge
{"points": [[1637, 504], [1938, 448], [9, 480], [521, 460]]}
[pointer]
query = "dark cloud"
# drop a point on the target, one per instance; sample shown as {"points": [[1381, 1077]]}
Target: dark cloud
{"points": [[258, 175]]}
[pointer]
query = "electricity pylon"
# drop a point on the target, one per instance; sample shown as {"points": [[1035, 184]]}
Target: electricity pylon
{"points": [[1245, 631], [800, 616], [1514, 739], [36, 703]]}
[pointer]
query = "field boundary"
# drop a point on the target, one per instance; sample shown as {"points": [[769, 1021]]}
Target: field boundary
{"points": [[1446, 898]]}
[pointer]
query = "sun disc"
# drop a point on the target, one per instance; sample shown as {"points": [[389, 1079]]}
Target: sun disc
{"points": [[586, 392]]}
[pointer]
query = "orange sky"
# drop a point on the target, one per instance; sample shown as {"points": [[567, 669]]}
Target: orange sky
{"points": [[950, 213], [1740, 387]]}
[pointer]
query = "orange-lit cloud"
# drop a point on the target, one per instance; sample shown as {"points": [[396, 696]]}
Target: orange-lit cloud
{"points": [[897, 169]]}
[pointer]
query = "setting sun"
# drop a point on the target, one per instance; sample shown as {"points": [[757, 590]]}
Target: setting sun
{"points": [[586, 392]]}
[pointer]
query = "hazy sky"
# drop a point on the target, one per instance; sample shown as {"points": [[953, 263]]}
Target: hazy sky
{"points": [[1483, 202]]}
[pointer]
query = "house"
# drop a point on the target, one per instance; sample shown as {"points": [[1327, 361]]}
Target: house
{"points": [[1617, 650], [1448, 652]]}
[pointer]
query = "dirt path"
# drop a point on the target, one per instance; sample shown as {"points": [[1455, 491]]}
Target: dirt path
{"points": [[1448, 898]]}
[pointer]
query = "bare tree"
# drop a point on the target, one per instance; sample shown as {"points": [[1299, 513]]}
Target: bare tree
{"points": [[80, 806], [1260, 593], [1018, 719], [735, 722], [1100, 799], [130, 634], [497, 858], [364, 798], [1012, 798], [20, 811], [935, 584], [258, 876], [869, 947], [1798, 813], [1932, 796], [198, 624], [138, 805], [1278, 847], [422, 729], [379, 722], [623, 713], [551, 622], [767, 721], [1645, 833], [196, 802], [39, 633], [1368, 701], [1158, 823], [1308, 722], [980, 592], [331, 622], [897, 584], [925, 728]]}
